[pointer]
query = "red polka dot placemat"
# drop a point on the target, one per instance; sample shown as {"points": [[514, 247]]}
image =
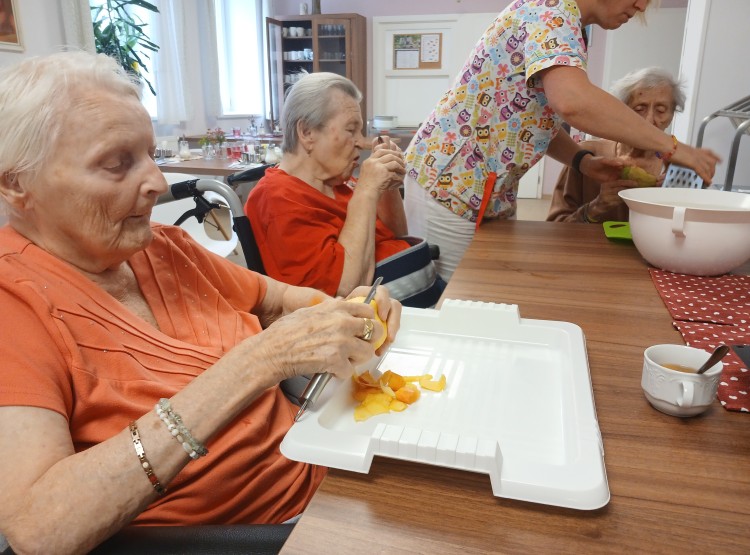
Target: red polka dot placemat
{"points": [[710, 311]]}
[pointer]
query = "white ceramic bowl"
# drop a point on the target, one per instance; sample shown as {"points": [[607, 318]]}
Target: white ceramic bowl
{"points": [[702, 232]]}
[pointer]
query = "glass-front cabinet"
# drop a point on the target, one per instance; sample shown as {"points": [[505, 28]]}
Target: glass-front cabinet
{"points": [[327, 42]]}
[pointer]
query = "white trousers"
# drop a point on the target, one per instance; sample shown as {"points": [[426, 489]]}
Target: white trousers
{"points": [[437, 225]]}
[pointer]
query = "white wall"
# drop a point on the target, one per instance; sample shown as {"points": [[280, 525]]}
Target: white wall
{"points": [[40, 24], [637, 45], [715, 67]]}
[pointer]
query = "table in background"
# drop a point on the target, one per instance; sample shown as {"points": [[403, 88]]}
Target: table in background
{"points": [[200, 166], [677, 485]]}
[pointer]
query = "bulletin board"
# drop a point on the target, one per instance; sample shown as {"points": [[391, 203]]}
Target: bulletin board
{"points": [[418, 51]]}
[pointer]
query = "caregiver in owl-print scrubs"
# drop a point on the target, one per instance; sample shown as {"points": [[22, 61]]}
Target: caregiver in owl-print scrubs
{"points": [[524, 77]]}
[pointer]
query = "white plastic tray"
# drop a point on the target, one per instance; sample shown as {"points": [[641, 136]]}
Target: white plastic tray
{"points": [[518, 406]]}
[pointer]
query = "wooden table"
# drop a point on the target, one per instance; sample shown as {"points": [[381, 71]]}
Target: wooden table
{"points": [[677, 485], [201, 166]]}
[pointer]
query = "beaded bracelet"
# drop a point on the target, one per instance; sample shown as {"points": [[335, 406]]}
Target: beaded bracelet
{"points": [[667, 156], [136, 437], [179, 431]]}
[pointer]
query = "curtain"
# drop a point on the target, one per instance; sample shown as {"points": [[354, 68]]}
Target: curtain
{"points": [[173, 100], [209, 59], [78, 30], [236, 48]]}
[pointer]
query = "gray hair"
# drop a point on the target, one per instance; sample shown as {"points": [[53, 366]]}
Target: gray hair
{"points": [[35, 92], [308, 101], [649, 78]]}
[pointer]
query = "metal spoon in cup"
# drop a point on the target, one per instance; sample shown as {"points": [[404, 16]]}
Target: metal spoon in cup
{"points": [[719, 353]]}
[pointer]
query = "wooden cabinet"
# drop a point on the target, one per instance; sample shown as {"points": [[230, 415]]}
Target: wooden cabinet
{"points": [[323, 42]]}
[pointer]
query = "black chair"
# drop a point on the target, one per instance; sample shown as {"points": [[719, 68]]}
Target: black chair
{"points": [[240, 539], [240, 223]]}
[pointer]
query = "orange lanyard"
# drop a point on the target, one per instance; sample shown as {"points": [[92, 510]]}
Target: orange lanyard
{"points": [[489, 185]]}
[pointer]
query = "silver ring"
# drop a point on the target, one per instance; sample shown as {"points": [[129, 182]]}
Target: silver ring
{"points": [[369, 328]]}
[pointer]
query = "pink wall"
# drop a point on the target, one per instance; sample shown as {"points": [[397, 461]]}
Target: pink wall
{"points": [[370, 8]]}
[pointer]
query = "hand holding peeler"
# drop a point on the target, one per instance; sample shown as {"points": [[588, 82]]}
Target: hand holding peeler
{"points": [[318, 382]]}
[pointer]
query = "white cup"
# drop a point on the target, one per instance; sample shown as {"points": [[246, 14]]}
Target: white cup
{"points": [[285, 31], [308, 54], [300, 31], [672, 391]]}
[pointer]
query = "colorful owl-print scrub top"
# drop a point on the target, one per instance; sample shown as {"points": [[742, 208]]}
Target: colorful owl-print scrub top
{"points": [[495, 118]]}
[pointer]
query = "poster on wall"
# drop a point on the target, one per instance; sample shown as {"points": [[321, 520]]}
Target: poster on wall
{"points": [[10, 36], [417, 51]]}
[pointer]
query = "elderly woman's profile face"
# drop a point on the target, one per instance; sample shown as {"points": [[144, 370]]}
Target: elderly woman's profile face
{"points": [[655, 105], [338, 144], [92, 199]]}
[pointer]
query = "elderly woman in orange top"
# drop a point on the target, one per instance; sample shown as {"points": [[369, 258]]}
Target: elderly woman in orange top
{"points": [[654, 95], [315, 225], [140, 372]]}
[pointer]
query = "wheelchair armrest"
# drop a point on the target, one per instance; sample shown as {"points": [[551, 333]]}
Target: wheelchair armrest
{"points": [[208, 540], [434, 251], [252, 174]]}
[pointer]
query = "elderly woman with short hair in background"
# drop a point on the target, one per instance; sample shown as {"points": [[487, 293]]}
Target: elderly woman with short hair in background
{"points": [[318, 226], [654, 95]]}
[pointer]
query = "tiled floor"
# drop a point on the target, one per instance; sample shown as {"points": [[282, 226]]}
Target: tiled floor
{"points": [[533, 209]]}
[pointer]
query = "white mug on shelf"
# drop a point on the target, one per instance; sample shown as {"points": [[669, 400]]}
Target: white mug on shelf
{"points": [[285, 31]]}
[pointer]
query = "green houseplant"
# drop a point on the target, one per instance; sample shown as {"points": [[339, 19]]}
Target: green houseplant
{"points": [[120, 33]]}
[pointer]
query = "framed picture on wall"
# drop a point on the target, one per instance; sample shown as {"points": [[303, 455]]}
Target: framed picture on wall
{"points": [[10, 34]]}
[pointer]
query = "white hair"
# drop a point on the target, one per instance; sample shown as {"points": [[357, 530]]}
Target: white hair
{"points": [[308, 101], [649, 78], [34, 94]]}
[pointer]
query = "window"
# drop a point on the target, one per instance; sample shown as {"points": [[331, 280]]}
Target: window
{"points": [[240, 37], [147, 17]]}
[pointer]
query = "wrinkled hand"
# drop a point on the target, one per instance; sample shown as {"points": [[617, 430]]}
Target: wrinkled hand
{"points": [[385, 168], [608, 198], [602, 169], [321, 338], [389, 311], [702, 160]]}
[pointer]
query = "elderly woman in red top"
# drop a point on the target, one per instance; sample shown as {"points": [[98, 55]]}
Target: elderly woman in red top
{"points": [[140, 372], [314, 225]]}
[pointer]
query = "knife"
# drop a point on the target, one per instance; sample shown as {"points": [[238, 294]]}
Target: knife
{"points": [[319, 380]]}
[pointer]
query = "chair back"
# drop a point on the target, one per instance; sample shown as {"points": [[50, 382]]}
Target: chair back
{"points": [[199, 197], [221, 239]]}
